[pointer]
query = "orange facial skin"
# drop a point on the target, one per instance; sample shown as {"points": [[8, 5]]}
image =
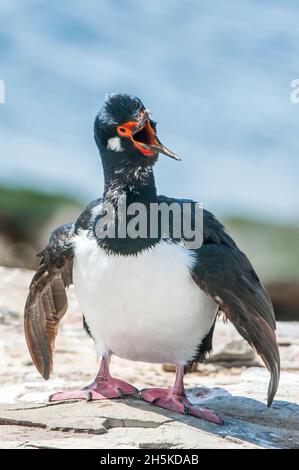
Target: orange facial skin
{"points": [[149, 137]]}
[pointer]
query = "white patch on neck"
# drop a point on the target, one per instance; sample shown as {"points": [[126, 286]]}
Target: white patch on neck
{"points": [[114, 143]]}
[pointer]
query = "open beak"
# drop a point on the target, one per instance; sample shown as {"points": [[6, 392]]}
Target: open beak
{"points": [[145, 139]]}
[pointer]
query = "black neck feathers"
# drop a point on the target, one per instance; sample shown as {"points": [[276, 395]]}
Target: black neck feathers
{"points": [[126, 183]]}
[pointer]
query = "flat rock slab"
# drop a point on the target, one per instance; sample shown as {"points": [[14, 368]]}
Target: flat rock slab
{"points": [[101, 425], [248, 423]]}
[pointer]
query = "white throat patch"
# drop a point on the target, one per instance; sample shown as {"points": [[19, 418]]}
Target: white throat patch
{"points": [[114, 143]]}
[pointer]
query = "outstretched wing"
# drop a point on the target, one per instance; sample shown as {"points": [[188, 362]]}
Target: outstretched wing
{"points": [[47, 301], [225, 274]]}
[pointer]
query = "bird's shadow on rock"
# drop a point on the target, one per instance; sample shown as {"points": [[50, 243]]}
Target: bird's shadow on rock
{"points": [[244, 419]]}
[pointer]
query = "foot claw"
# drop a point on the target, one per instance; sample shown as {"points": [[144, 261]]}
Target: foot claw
{"points": [[155, 401], [88, 396]]}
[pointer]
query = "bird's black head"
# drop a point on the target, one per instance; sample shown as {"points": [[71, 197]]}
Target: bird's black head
{"points": [[125, 134]]}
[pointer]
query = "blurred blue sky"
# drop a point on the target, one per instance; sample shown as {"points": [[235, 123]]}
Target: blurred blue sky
{"points": [[216, 74]]}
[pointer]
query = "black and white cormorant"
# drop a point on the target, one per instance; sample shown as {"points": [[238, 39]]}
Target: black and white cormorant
{"points": [[150, 299]]}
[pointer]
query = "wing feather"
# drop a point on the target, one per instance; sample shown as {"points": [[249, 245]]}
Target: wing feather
{"points": [[226, 275], [47, 300]]}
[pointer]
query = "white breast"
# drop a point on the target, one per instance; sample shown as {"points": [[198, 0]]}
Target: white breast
{"points": [[145, 307]]}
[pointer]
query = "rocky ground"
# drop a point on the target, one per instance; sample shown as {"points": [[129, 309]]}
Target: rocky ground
{"points": [[232, 382]]}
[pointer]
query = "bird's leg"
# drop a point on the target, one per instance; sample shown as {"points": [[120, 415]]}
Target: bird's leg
{"points": [[103, 387], [175, 399]]}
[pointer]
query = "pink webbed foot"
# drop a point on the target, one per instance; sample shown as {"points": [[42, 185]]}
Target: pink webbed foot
{"points": [[98, 390], [166, 399]]}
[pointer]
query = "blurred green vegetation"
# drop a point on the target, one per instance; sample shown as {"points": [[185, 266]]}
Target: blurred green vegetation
{"points": [[23, 211], [272, 248]]}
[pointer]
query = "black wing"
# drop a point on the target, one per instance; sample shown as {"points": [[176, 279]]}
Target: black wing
{"points": [[225, 274]]}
